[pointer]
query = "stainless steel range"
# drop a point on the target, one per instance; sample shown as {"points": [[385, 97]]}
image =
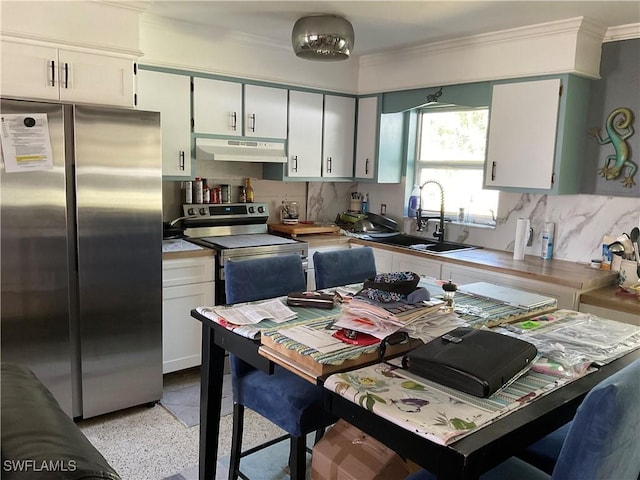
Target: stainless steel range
{"points": [[237, 231]]}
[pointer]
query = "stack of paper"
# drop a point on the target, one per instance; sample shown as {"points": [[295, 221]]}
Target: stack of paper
{"points": [[251, 313]]}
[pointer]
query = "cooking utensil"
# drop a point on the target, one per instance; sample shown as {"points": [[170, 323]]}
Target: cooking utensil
{"points": [[635, 233]]}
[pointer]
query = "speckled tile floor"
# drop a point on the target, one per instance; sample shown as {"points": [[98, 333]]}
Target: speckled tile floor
{"points": [[149, 443]]}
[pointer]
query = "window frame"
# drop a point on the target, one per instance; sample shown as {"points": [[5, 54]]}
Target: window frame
{"points": [[476, 165]]}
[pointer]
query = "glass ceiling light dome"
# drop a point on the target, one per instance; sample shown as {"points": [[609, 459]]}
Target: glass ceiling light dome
{"points": [[322, 37]]}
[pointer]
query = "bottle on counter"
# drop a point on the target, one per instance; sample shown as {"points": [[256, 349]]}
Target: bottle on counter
{"points": [[365, 203], [242, 198], [248, 189], [547, 241], [414, 198], [197, 190]]}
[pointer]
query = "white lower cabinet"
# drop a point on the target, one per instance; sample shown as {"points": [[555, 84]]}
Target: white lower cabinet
{"points": [[384, 260], [389, 261], [411, 263], [187, 283]]}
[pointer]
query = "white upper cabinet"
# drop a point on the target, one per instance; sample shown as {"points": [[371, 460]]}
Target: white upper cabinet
{"points": [[366, 140], [522, 134], [536, 139], [265, 111], [170, 95], [379, 143], [337, 150], [217, 107], [305, 134], [49, 73]]}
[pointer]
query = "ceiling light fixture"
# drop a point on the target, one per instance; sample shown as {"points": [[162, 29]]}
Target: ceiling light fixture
{"points": [[322, 37]]}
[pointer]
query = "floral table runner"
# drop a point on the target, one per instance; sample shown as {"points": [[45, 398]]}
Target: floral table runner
{"points": [[438, 413]]}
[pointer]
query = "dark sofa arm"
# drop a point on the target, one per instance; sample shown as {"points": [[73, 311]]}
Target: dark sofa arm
{"points": [[39, 441]]}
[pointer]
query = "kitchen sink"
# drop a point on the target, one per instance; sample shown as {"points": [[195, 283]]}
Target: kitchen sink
{"points": [[422, 244]]}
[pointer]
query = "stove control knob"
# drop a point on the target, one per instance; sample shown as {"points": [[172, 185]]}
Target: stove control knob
{"points": [[203, 211], [191, 211], [251, 210], [260, 209]]}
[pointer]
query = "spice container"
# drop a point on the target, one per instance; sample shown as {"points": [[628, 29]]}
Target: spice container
{"points": [[206, 193], [197, 190], [225, 192], [187, 192]]}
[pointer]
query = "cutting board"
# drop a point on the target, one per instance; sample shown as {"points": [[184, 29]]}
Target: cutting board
{"points": [[302, 229]]}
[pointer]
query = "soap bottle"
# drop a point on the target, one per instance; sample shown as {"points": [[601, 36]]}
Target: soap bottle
{"points": [[365, 204], [248, 190], [412, 211]]}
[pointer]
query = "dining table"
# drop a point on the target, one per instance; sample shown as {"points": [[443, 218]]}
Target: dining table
{"points": [[466, 458]]}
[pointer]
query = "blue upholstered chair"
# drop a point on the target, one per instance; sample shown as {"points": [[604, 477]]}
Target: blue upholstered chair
{"points": [[285, 399], [342, 267], [601, 441]]}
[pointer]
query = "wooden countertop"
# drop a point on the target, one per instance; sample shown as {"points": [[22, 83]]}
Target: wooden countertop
{"points": [[325, 239], [559, 272], [607, 297]]}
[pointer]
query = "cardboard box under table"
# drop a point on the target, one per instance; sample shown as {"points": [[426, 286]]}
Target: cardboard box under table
{"points": [[345, 452]]}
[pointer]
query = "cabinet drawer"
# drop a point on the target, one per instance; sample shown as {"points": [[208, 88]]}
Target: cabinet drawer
{"points": [[185, 271]]}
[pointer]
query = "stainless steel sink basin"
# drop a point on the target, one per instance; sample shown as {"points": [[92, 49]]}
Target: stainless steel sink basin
{"points": [[423, 244]]}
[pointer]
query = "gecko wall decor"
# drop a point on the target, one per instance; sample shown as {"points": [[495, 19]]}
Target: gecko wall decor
{"points": [[619, 128]]}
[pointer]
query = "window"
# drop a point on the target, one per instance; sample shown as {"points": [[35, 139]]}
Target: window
{"points": [[451, 150]]}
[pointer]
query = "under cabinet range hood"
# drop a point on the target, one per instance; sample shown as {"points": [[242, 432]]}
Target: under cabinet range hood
{"points": [[239, 150]]}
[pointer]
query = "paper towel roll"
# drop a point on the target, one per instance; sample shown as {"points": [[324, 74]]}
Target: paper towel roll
{"points": [[522, 237]]}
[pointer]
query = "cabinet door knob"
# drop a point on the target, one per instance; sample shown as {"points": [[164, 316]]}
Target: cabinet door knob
{"points": [[493, 170], [329, 161], [181, 160], [234, 121], [366, 167], [253, 122], [295, 163]]}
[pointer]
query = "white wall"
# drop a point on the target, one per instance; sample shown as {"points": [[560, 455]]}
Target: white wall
{"points": [[185, 46]]}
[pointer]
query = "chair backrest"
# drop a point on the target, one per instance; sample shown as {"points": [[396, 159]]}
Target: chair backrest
{"points": [[261, 278], [342, 267], [603, 441]]}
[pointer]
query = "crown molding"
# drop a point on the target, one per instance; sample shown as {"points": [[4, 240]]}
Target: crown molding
{"points": [[571, 25], [622, 32]]}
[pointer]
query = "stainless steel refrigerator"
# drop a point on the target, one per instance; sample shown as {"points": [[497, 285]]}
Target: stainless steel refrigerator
{"points": [[81, 255]]}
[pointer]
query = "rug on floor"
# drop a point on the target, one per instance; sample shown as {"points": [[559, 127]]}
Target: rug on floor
{"points": [[184, 402], [267, 464]]}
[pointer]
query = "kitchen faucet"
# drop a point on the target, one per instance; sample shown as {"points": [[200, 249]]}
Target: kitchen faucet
{"points": [[421, 222]]}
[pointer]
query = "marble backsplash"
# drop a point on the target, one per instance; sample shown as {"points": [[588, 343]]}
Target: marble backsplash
{"points": [[580, 220]]}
